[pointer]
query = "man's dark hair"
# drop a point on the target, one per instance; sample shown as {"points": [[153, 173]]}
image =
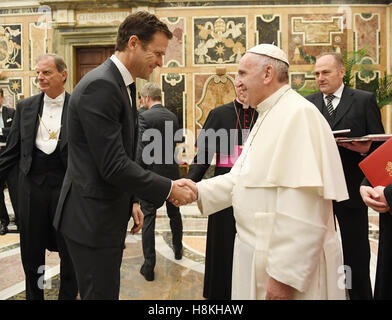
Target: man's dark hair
{"points": [[141, 24], [1, 92]]}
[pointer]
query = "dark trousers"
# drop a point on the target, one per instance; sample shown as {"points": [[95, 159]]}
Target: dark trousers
{"points": [[148, 231], [4, 218], [37, 234], [354, 229], [97, 270], [383, 286], [12, 184]]}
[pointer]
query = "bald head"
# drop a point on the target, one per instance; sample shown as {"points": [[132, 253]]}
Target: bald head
{"points": [[329, 71]]}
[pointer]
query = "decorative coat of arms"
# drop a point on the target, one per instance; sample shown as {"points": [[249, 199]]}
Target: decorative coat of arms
{"points": [[10, 47], [219, 40], [388, 168]]}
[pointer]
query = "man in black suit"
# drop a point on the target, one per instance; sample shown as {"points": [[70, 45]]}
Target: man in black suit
{"points": [[37, 142], [161, 160], [357, 110], [103, 177], [7, 115]]}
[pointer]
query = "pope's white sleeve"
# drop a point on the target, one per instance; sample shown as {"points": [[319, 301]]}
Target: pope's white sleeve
{"points": [[297, 236], [215, 194]]}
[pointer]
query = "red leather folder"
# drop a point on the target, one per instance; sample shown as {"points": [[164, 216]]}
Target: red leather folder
{"points": [[377, 166]]}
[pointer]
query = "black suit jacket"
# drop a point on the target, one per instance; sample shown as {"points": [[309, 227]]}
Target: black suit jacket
{"points": [[102, 176], [21, 137], [163, 157], [8, 116], [358, 111]]}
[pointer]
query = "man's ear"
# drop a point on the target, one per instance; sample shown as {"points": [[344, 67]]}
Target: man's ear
{"points": [[343, 71], [269, 73], [133, 41]]}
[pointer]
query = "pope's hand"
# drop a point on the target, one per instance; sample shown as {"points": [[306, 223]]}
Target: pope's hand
{"points": [[138, 218], [278, 291], [184, 191]]}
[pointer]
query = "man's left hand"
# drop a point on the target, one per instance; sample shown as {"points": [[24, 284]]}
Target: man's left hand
{"points": [[357, 146], [138, 218], [278, 291]]}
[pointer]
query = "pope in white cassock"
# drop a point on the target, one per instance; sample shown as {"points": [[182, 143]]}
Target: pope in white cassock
{"points": [[281, 189]]}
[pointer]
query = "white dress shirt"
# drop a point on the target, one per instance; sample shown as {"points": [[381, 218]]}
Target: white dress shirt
{"points": [[126, 75], [338, 94], [50, 124]]}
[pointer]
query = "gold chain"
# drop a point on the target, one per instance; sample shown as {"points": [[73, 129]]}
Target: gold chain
{"points": [[52, 134]]}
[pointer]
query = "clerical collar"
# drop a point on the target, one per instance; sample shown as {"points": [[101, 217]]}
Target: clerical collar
{"points": [[272, 99], [58, 100], [126, 75], [240, 105]]}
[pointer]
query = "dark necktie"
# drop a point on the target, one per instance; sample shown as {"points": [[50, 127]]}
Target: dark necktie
{"points": [[329, 104], [132, 87]]}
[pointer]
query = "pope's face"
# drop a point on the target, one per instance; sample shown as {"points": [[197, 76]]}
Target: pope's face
{"points": [[249, 79], [329, 75], [150, 56]]}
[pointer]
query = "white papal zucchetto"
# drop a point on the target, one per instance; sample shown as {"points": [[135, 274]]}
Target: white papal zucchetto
{"points": [[270, 50]]}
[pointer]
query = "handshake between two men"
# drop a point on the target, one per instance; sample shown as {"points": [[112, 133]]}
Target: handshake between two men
{"points": [[184, 191]]}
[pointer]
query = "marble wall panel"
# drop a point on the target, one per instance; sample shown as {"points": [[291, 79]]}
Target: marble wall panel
{"points": [[366, 79], [303, 82], [268, 29], [11, 47], [174, 93], [211, 91], [219, 40], [38, 42], [34, 87], [13, 90], [175, 53], [312, 34], [367, 34]]}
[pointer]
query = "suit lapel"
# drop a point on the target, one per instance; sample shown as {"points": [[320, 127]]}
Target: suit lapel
{"points": [[319, 101], [130, 112], [4, 114], [344, 105], [120, 81], [31, 116], [64, 117]]}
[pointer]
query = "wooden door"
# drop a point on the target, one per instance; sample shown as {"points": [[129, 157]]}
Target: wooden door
{"points": [[87, 58]]}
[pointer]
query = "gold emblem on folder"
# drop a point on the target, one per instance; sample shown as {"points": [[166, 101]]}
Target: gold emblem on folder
{"points": [[388, 168]]}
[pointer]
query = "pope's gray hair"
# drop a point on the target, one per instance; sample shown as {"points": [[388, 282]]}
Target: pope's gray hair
{"points": [[281, 68]]}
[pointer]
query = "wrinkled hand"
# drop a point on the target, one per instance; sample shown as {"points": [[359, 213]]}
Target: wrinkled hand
{"points": [[357, 146], [278, 291], [138, 218], [184, 191], [374, 198]]}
